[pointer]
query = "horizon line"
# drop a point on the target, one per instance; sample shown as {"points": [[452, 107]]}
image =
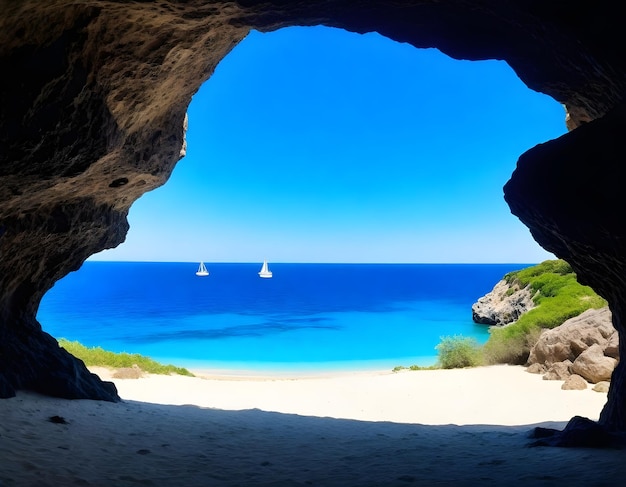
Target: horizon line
{"points": [[308, 262]]}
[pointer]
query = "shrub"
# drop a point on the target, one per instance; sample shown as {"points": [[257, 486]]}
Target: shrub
{"points": [[511, 291], [510, 345], [97, 356], [458, 351], [525, 276]]}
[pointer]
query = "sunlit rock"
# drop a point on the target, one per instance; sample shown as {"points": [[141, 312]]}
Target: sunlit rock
{"points": [[504, 304], [574, 383], [593, 365], [574, 336]]}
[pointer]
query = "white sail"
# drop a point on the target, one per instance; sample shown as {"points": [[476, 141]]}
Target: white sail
{"points": [[265, 272], [202, 271]]}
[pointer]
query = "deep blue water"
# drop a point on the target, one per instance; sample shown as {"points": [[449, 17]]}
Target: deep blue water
{"points": [[308, 316]]}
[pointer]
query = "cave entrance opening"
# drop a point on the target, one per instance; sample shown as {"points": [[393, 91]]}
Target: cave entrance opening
{"points": [[317, 145]]}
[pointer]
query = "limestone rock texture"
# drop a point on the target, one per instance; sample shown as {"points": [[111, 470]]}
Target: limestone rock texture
{"points": [[574, 336], [574, 383], [585, 345], [93, 100], [593, 365], [504, 304]]}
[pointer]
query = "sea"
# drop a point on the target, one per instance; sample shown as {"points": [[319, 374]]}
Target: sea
{"points": [[306, 318]]}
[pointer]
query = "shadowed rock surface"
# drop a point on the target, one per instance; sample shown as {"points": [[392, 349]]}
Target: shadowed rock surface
{"points": [[92, 115]]}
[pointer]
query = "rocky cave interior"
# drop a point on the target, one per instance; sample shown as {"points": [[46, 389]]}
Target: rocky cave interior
{"points": [[93, 115]]}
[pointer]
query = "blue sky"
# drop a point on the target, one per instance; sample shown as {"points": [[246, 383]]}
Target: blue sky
{"points": [[319, 145]]}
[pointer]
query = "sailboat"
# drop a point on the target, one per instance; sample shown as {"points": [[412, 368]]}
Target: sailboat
{"points": [[265, 272], [202, 270]]}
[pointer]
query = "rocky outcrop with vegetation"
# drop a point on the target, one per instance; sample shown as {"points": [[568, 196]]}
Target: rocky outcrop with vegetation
{"points": [[503, 305], [554, 295], [552, 323]]}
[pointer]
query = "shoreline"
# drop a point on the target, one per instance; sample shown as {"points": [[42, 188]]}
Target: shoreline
{"points": [[251, 368], [226, 373], [461, 427], [496, 394]]}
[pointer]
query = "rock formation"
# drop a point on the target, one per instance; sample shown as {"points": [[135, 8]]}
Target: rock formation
{"points": [[574, 336], [593, 365], [92, 115], [574, 383], [586, 345], [504, 304]]}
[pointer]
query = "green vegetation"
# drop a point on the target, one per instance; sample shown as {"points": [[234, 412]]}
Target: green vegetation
{"points": [[458, 351], [557, 295], [454, 353], [398, 368], [96, 356], [527, 275]]}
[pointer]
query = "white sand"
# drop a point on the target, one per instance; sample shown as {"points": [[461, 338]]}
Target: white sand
{"points": [[428, 428]]}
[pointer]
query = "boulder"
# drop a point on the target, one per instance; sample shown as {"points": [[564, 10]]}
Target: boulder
{"points": [[574, 336], [558, 371], [133, 372], [593, 365], [574, 383], [602, 386], [537, 369], [612, 348]]}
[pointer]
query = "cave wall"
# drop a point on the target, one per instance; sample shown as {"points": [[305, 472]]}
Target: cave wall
{"points": [[569, 192], [92, 115]]}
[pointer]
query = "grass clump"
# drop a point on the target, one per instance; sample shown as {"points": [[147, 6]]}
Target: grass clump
{"points": [[398, 368], [457, 351], [97, 356], [557, 295]]}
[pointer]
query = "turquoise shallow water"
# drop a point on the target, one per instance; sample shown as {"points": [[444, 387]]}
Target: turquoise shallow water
{"points": [[307, 317]]}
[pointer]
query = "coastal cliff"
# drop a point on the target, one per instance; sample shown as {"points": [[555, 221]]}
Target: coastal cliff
{"points": [[503, 305], [580, 347]]}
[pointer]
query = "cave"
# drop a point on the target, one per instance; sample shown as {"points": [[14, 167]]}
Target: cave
{"points": [[93, 115]]}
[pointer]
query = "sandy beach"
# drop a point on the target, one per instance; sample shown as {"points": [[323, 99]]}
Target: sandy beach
{"points": [[432, 428]]}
